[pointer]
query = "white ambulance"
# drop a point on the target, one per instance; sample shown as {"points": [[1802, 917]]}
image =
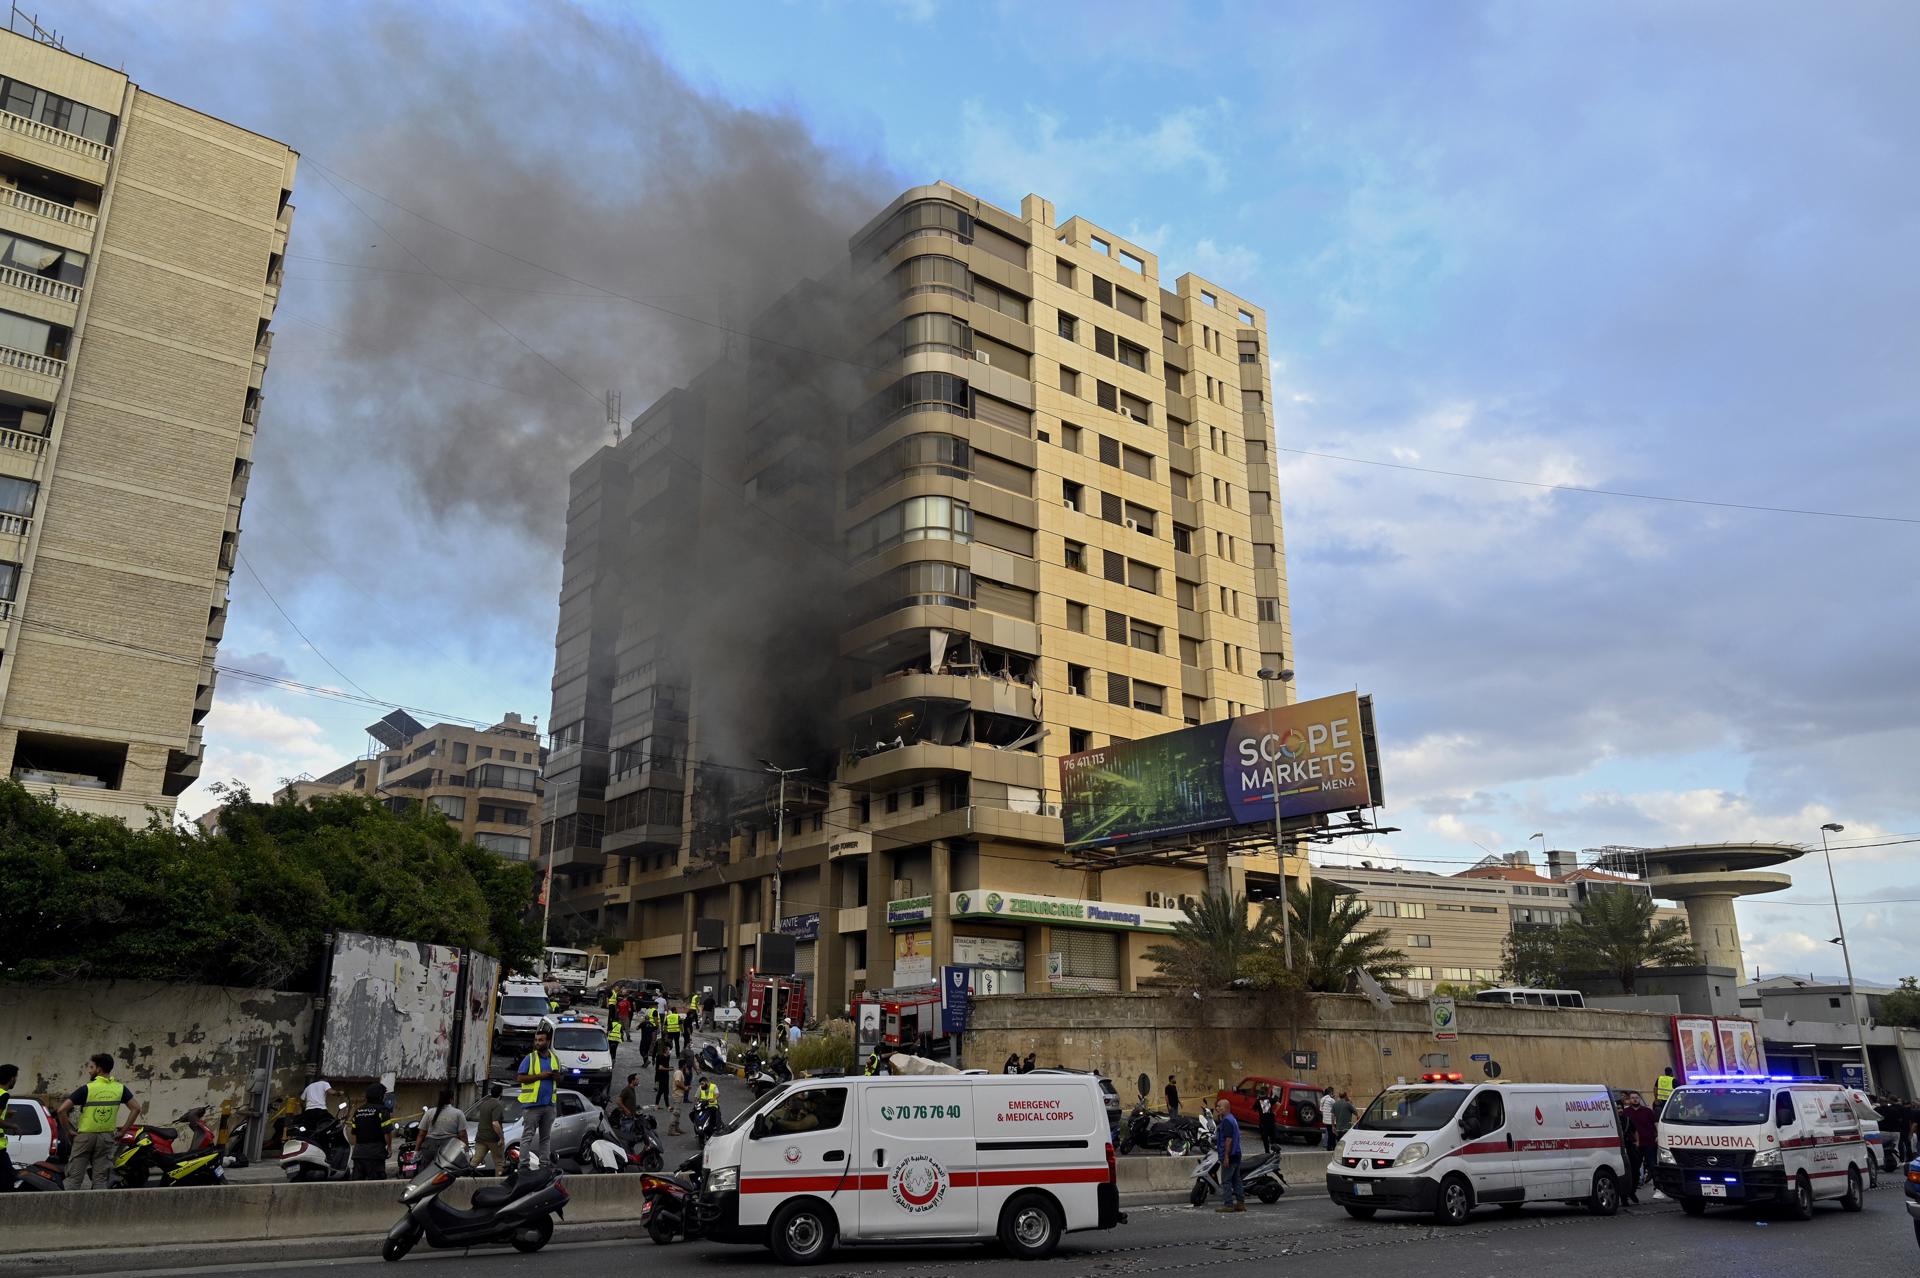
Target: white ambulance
{"points": [[1023, 1158], [1743, 1140], [1445, 1146]]}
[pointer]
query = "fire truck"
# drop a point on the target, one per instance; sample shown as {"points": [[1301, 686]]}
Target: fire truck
{"points": [[761, 1012], [903, 1015]]}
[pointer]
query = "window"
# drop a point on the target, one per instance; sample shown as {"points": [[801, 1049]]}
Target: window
{"points": [[28, 421], [1385, 909], [915, 519], [1068, 327], [495, 776], [1103, 343], [996, 298], [1113, 567], [1176, 379], [1063, 271], [1144, 636], [947, 455], [1133, 356], [1135, 407], [1076, 557], [932, 332], [1140, 517], [1076, 617], [1191, 709], [1129, 260], [1413, 910], [1189, 652], [893, 801], [1246, 319], [17, 495], [1269, 610], [1070, 438], [1209, 298], [9, 579], [460, 747], [1100, 246], [914, 585], [1184, 593], [1483, 909], [1078, 739], [513, 846], [33, 336], [483, 752], [1079, 680], [500, 815], [1116, 627], [1182, 484], [1452, 909], [1131, 304], [1143, 576], [1102, 291], [1169, 328], [1069, 380], [1419, 941], [1183, 539], [1107, 395], [1149, 696], [1117, 691], [45, 260], [933, 273], [916, 392], [815, 1109], [61, 113], [1135, 462], [1073, 495], [919, 796], [454, 805]]}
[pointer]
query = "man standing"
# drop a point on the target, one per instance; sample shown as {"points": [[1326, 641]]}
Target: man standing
{"points": [[314, 1095], [673, 1029], [1233, 1194], [8, 1073], [99, 1103], [662, 1081], [1663, 1089], [490, 1131], [614, 1037], [538, 1074], [1173, 1097], [627, 1109], [372, 1129], [1343, 1114], [1326, 1115], [1263, 1106]]}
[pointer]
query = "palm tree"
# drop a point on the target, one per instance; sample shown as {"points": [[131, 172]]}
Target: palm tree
{"points": [[1331, 941], [1211, 944], [1616, 933]]}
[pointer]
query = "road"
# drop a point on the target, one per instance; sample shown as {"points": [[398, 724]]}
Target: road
{"points": [[1302, 1236]]}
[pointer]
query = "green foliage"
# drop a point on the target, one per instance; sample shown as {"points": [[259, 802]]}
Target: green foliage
{"points": [[1331, 941], [90, 897], [822, 1051], [1902, 1006], [1615, 933], [1212, 944]]}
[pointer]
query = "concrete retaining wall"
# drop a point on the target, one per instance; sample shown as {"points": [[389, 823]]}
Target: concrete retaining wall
{"points": [[1217, 1040], [1144, 1177], [255, 1213], [178, 1045]]}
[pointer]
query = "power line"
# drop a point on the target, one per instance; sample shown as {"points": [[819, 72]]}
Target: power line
{"points": [[248, 565], [1602, 492]]}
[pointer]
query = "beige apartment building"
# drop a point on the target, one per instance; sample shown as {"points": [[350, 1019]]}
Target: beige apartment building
{"points": [[1061, 525], [142, 248], [1453, 927], [486, 781]]}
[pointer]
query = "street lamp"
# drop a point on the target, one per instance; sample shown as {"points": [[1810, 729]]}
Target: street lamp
{"points": [[1269, 677], [1846, 954]]}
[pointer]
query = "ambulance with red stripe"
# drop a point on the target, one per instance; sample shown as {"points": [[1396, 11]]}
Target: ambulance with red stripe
{"points": [[1444, 1146], [1022, 1158], [1741, 1139]]}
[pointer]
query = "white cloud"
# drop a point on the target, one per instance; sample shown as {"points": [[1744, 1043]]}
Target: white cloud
{"points": [[1010, 152], [257, 743]]}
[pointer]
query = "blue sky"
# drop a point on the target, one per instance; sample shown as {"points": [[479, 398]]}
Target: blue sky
{"points": [[1662, 249]]}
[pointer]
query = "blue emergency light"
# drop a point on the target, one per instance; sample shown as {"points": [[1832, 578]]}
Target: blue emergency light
{"points": [[1753, 1078]]}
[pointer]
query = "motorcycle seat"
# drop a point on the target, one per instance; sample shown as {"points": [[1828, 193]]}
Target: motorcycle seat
{"points": [[494, 1195], [164, 1133]]}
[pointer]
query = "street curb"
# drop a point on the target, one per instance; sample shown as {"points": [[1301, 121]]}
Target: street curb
{"points": [[113, 1260]]}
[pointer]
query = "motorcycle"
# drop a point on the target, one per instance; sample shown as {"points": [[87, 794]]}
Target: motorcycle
{"points": [[600, 1150], [713, 1059], [706, 1120], [1145, 1130], [50, 1173], [640, 1139], [667, 1207], [408, 1165], [316, 1148], [518, 1212], [141, 1150], [1267, 1181]]}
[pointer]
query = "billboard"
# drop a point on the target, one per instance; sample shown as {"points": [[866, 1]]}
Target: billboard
{"points": [[1716, 1046], [1223, 774]]}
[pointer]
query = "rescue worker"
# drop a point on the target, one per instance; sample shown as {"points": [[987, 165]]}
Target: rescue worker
{"points": [[538, 1073], [1662, 1089], [873, 1063], [614, 1038], [372, 1128], [693, 1007], [99, 1103], [649, 1030], [674, 1034], [709, 1092]]}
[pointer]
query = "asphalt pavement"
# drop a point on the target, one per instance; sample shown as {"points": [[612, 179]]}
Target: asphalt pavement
{"points": [[1303, 1235]]}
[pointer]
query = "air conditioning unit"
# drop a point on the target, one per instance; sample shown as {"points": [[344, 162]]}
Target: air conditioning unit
{"points": [[1153, 900], [1187, 902], [1135, 525], [902, 888], [982, 357], [1069, 505]]}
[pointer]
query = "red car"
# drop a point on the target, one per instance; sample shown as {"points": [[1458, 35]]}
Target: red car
{"points": [[1296, 1114]]}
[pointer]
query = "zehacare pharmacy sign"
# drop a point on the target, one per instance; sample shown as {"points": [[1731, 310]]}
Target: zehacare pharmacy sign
{"points": [[1018, 907]]}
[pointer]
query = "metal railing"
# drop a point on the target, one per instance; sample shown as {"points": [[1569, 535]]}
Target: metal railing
{"points": [[66, 141], [40, 285], [21, 441], [28, 362], [14, 525], [6, 610], [78, 219]]}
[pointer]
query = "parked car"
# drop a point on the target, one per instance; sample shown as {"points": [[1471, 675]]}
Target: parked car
{"points": [[32, 1138], [1297, 1113], [1913, 1196], [1108, 1093], [573, 1115]]}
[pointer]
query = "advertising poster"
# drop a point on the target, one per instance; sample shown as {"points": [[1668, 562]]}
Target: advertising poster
{"points": [[1220, 774], [912, 958], [1696, 1046], [1740, 1048]]}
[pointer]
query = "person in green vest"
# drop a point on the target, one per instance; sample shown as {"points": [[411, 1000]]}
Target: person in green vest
{"points": [[673, 1029], [99, 1104], [539, 1072], [1663, 1088], [8, 1073], [693, 1008], [615, 1035]]}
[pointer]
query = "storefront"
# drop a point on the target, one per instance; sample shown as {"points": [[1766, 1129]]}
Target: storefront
{"points": [[996, 965], [996, 934]]}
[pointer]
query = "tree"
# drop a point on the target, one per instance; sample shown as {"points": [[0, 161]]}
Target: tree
{"points": [[1534, 957], [1902, 1006], [1616, 933], [1331, 941], [1211, 945]]}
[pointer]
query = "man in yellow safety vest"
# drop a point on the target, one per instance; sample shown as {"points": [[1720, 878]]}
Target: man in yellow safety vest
{"points": [[99, 1104], [1663, 1088], [673, 1029], [538, 1075]]}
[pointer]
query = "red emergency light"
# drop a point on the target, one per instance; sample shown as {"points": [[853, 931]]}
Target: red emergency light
{"points": [[1442, 1078]]}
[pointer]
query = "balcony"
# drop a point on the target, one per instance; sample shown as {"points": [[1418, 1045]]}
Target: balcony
{"points": [[37, 376], [79, 219], [6, 610], [44, 289], [56, 148], [14, 525], [20, 452], [982, 692]]}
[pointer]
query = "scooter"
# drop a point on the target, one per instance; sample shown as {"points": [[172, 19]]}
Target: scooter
{"points": [[713, 1059], [1144, 1130], [1266, 1181], [706, 1120], [599, 1150], [408, 1151], [315, 1149], [50, 1173], [519, 1212], [141, 1151], [668, 1202]]}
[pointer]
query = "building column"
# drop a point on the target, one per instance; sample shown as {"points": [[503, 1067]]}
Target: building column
{"points": [[687, 942], [879, 935], [829, 947], [1218, 879], [733, 934], [942, 856]]}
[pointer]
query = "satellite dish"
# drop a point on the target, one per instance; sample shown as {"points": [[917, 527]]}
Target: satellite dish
{"points": [[1145, 1085]]}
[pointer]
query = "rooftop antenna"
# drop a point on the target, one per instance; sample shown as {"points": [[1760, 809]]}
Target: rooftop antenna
{"points": [[613, 413], [34, 28]]}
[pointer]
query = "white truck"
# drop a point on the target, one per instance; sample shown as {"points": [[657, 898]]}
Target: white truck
{"points": [[1024, 1158], [580, 975], [1732, 1141]]}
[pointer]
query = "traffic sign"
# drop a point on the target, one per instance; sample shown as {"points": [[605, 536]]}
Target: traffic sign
{"points": [[1478, 1057], [1440, 1013]]}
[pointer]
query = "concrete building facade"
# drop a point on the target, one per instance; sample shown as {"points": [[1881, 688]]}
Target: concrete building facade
{"points": [[1061, 521], [486, 781], [143, 244]]}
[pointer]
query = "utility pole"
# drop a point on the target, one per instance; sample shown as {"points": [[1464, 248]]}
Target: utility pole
{"points": [[613, 413], [1853, 998], [1269, 677], [779, 849]]}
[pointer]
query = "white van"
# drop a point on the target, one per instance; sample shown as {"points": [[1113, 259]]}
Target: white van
{"points": [[1023, 1158], [1444, 1146], [1758, 1140], [523, 1005]]}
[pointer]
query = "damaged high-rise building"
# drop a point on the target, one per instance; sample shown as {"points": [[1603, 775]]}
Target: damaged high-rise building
{"points": [[990, 496]]}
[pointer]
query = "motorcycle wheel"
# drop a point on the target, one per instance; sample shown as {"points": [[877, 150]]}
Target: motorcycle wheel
{"points": [[651, 1161], [1178, 1146], [1269, 1193], [1126, 1144], [1198, 1196], [534, 1235], [134, 1177], [662, 1234], [396, 1248]]}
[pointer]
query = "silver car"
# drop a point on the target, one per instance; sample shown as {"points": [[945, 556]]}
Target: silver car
{"points": [[574, 1116]]}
